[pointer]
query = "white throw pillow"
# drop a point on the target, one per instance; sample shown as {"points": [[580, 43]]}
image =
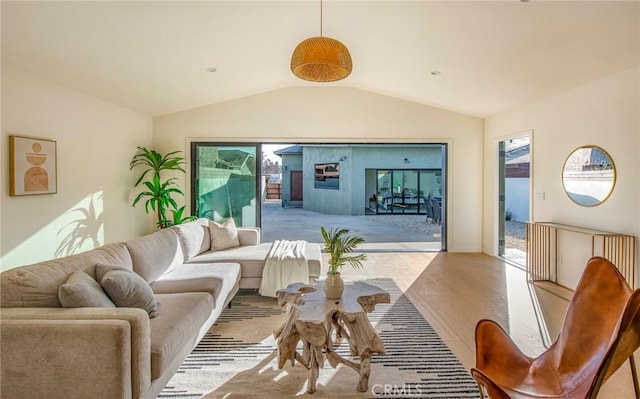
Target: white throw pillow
{"points": [[223, 235]]}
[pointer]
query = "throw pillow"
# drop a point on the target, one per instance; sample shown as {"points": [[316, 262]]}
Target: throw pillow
{"points": [[127, 289], [82, 291], [223, 235]]}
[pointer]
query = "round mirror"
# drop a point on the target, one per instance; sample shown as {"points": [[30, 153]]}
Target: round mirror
{"points": [[588, 176]]}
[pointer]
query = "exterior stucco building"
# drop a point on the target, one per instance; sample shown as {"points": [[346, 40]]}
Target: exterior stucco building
{"points": [[363, 179]]}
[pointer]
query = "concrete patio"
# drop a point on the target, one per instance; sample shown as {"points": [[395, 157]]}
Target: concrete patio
{"points": [[380, 232]]}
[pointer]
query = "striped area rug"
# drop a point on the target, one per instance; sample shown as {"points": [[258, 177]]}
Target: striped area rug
{"points": [[237, 358]]}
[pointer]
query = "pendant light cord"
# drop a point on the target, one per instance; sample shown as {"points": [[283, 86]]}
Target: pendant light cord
{"points": [[320, 18]]}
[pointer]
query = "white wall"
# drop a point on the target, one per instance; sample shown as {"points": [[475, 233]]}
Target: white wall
{"points": [[95, 142], [336, 114], [516, 198], [604, 112]]}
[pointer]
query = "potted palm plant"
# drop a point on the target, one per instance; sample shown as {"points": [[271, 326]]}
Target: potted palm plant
{"points": [[339, 246], [159, 193]]}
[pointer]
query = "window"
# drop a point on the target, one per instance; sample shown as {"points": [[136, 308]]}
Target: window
{"points": [[327, 176]]}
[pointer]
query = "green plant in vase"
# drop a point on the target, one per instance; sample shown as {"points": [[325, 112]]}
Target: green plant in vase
{"points": [[339, 245], [159, 193]]}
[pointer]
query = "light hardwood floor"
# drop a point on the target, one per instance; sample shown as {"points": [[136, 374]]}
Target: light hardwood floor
{"points": [[454, 291]]}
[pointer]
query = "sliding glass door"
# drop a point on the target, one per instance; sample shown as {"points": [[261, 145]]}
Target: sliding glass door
{"points": [[225, 182], [408, 191], [385, 195]]}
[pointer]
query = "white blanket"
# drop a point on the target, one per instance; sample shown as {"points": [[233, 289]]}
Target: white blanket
{"points": [[285, 264]]}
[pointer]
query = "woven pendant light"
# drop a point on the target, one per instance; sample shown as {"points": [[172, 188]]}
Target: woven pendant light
{"points": [[321, 59]]}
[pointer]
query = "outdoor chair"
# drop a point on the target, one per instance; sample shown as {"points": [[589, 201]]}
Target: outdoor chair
{"points": [[434, 213], [429, 209], [601, 331], [437, 211]]}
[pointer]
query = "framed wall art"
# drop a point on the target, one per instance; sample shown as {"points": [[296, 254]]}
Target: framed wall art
{"points": [[32, 166]]}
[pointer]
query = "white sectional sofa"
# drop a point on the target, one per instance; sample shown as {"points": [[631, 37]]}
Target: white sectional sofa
{"points": [[120, 352]]}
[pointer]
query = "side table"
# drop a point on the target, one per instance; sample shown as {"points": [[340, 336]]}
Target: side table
{"points": [[321, 323]]}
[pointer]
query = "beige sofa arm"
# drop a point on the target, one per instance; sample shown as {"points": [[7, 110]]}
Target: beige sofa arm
{"points": [[249, 235], [104, 352]]}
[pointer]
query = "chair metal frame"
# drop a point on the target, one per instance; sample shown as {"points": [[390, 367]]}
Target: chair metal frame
{"points": [[624, 340]]}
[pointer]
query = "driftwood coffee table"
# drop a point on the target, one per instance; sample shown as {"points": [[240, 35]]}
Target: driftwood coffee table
{"points": [[321, 323]]}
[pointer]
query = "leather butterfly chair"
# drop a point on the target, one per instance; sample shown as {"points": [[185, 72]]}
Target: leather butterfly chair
{"points": [[601, 331]]}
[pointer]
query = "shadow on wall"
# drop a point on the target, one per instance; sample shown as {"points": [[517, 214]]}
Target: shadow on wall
{"points": [[85, 229], [75, 228]]}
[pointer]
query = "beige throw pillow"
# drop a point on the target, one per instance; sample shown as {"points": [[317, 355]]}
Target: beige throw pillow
{"points": [[127, 289], [82, 291], [223, 236]]}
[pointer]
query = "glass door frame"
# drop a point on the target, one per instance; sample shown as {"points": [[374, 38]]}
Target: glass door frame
{"points": [[193, 177], [501, 193], [501, 198], [444, 187], [420, 208]]}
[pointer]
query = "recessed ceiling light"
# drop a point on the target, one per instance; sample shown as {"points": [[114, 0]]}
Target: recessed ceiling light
{"points": [[212, 69], [436, 73]]}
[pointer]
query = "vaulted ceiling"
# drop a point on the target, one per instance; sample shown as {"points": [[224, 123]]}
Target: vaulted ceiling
{"points": [[153, 56]]}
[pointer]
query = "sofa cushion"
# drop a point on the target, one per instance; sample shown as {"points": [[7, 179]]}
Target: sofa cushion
{"points": [[251, 258], [194, 237], [313, 253], [37, 285], [83, 291], [174, 333], [217, 279], [152, 255], [126, 289], [223, 235]]}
